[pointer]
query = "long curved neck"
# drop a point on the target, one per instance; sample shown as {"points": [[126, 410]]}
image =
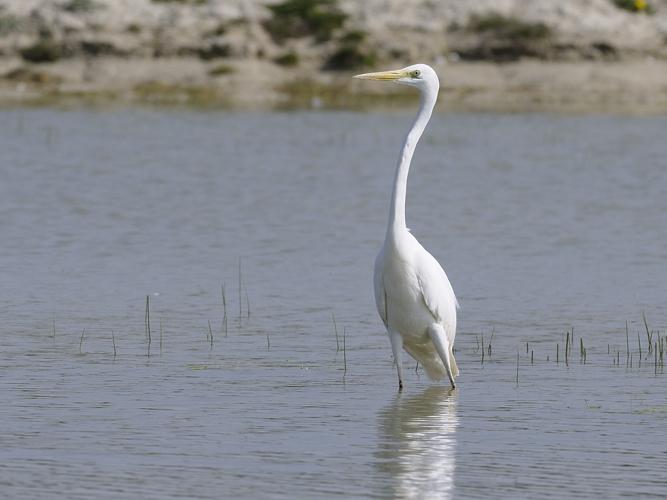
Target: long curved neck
{"points": [[397, 207]]}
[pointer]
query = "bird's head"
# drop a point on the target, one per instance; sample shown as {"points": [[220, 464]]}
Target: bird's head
{"points": [[421, 76]]}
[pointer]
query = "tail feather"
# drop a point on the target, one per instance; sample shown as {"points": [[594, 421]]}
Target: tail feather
{"points": [[452, 363], [428, 358]]}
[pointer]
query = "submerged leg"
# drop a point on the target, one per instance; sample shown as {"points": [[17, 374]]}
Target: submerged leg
{"points": [[397, 348], [439, 339]]}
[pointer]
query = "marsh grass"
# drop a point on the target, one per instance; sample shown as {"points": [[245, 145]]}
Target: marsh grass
{"points": [[649, 334], [224, 307], [333, 318], [482, 361], [147, 321], [627, 345], [488, 347], [344, 352], [503, 355], [240, 291]]}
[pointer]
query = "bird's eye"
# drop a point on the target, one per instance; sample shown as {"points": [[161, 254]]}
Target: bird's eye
{"points": [[416, 73]]}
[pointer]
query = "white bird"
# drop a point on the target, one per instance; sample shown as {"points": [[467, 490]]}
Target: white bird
{"points": [[412, 292]]}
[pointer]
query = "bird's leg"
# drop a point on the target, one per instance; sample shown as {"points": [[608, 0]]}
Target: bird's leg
{"points": [[439, 339], [397, 348]]}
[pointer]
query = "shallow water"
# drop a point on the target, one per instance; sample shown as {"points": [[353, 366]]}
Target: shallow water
{"points": [[543, 223]]}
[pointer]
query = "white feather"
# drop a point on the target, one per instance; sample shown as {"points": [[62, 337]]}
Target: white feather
{"points": [[412, 292]]}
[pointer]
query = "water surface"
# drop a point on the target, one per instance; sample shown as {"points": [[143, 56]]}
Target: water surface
{"points": [[543, 223]]}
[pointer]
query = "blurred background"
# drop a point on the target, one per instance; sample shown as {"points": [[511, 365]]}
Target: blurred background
{"points": [[492, 55]]}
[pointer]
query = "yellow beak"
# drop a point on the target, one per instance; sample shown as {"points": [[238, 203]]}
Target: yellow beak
{"points": [[383, 75]]}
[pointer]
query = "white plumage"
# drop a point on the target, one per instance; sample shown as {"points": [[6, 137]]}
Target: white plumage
{"points": [[412, 292]]}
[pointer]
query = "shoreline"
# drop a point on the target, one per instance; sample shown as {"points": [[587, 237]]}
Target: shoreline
{"points": [[637, 87]]}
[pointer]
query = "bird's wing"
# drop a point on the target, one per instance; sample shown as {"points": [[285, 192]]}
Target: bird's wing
{"points": [[436, 290], [380, 294]]}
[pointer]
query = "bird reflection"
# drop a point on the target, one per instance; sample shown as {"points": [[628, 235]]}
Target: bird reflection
{"points": [[417, 444]]}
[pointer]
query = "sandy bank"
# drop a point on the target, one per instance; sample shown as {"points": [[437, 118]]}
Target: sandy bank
{"points": [[635, 87]]}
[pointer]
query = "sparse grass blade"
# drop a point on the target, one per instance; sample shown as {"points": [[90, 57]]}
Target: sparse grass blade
{"points": [[83, 333], [627, 345], [148, 325], [240, 285], [344, 352], [333, 318], [649, 334]]}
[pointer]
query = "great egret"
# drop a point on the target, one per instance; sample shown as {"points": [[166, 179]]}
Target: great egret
{"points": [[413, 295]]}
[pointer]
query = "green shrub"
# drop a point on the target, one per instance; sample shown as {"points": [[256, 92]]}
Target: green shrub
{"points": [[222, 69], [80, 6], [301, 18], [508, 28], [287, 59], [350, 53], [214, 51], [348, 57], [354, 37], [219, 30], [29, 75], [8, 24], [44, 51], [196, 2], [634, 6], [97, 48]]}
